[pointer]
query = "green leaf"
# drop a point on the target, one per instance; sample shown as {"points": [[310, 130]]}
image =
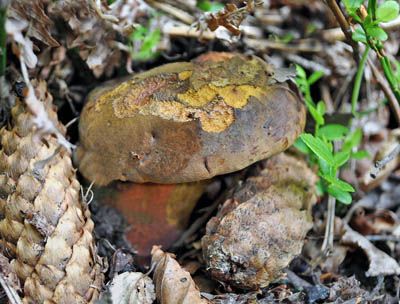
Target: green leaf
{"points": [[376, 32], [333, 131], [208, 6], [314, 77], [342, 196], [321, 108], [301, 146], [325, 168], [315, 114], [359, 34], [338, 183], [352, 140], [320, 188], [360, 154], [388, 11], [139, 33], [341, 158], [352, 5], [320, 148], [367, 21], [300, 72]]}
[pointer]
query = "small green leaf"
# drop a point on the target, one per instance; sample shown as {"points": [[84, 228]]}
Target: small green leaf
{"points": [[376, 32], [360, 154], [338, 183], [300, 72], [368, 21], [359, 34], [315, 114], [301, 146], [388, 11], [341, 158], [355, 17], [325, 168], [333, 131], [342, 196], [208, 6], [352, 140], [352, 5], [314, 77], [320, 148], [320, 188], [321, 108]]}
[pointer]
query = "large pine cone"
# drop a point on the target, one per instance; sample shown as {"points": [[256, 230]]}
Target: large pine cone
{"points": [[45, 229]]}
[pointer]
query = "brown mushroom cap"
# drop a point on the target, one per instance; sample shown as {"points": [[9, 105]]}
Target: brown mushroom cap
{"points": [[188, 121]]}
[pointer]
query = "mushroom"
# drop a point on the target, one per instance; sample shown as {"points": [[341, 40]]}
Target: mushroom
{"points": [[188, 121]]}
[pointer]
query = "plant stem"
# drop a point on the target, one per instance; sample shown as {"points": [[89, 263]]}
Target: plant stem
{"points": [[357, 82], [387, 69], [3, 17], [345, 26]]}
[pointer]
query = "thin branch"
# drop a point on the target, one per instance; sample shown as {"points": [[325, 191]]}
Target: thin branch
{"points": [[3, 48], [11, 293], [380, 164], [394, 105], [345, 26]]}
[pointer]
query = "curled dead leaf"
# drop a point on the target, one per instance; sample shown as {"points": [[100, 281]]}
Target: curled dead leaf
{"points": [[380, 263], [173, 284], [132, 288]]}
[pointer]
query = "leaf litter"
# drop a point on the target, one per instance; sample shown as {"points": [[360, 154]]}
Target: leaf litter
{"points": [[98, 35]]}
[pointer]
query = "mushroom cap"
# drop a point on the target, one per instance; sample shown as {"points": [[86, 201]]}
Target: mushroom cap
{"points": [[188, 121]]}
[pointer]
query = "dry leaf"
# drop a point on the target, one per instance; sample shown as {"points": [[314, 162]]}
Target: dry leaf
{"points": [[173, 284], [380, 263], [132, 288]]}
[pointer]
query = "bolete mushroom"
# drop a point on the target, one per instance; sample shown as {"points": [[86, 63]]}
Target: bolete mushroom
{"points": [[188, 121]]}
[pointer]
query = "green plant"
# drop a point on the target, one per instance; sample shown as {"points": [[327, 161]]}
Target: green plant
{"points": [[209, 6], [320, 145], [149, 41], [368, 32]]}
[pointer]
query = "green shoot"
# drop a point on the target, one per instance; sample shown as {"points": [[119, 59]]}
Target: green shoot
{"points": [[209, 6], [368, 32], [319, 146], [149, 41]]}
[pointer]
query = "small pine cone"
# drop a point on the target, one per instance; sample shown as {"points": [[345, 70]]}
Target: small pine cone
{"points": [[45, 230], [262, 227]]}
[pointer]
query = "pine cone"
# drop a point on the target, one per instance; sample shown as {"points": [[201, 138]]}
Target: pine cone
{"points": [[262, 227], [45, 229]]}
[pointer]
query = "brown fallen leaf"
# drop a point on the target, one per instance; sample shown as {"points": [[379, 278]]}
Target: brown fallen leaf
{"points": [[173, 284], [132, 288], [380, 263]]}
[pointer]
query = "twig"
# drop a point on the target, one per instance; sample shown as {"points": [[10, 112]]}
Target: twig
{"points": [[394, 105], [380, 164], [327, 244], [307, 64], [3, 47], [173, 11], [337, 12], [336, 34], [390, 238], [10, 292]]}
